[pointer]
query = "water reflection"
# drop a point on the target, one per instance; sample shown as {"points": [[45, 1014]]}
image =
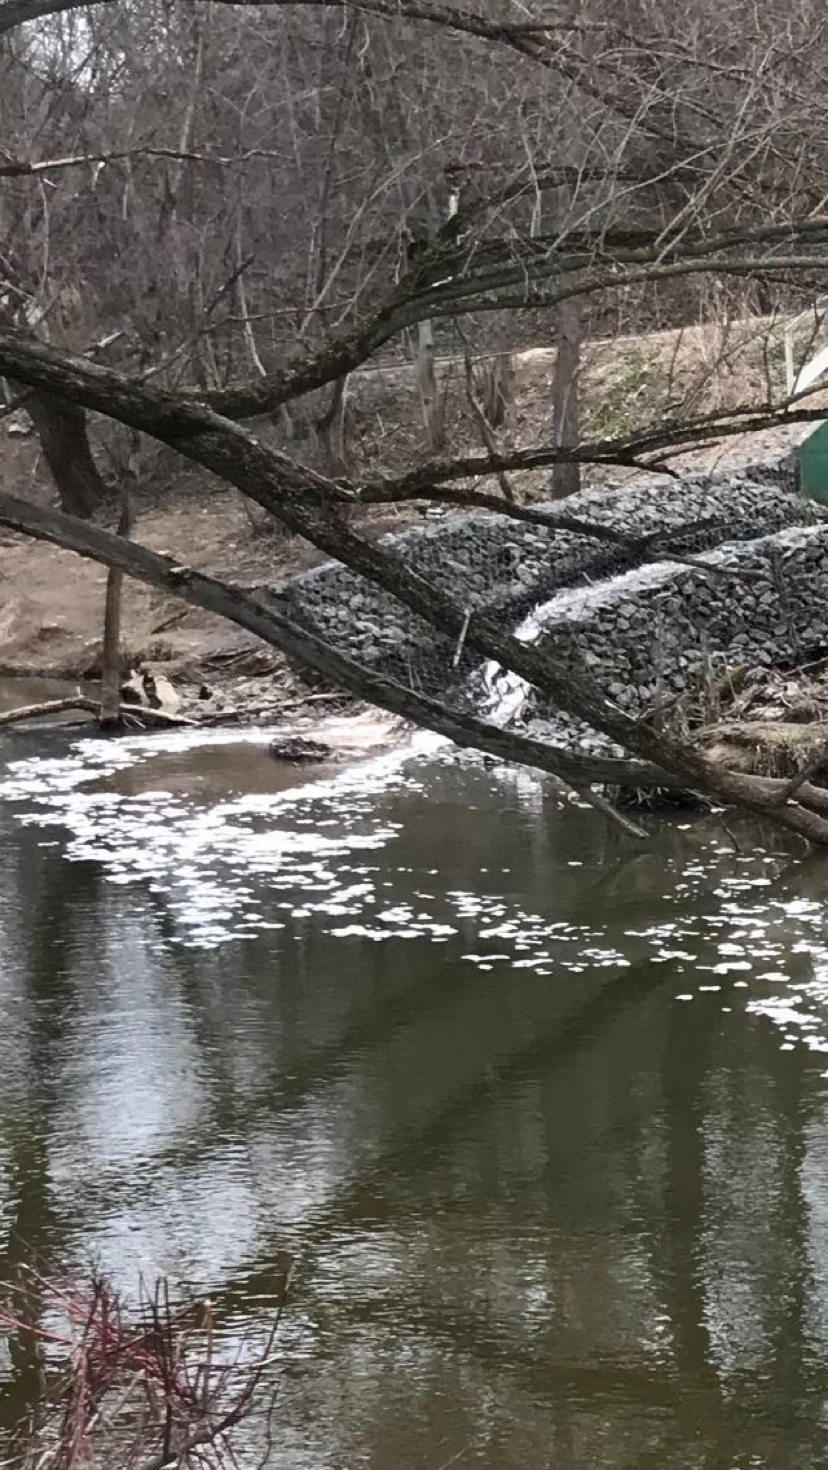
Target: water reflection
{"points": [[16, 693], [545, 1211]]}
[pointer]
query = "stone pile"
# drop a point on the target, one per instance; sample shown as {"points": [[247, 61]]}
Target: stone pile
{"points": [[509, 567], [656, 633]]}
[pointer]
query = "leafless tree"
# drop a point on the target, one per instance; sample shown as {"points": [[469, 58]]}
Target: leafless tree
{"points": [[254, 201]]}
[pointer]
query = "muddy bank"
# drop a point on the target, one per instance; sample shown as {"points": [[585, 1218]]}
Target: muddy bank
{"points": [[52, 604]]}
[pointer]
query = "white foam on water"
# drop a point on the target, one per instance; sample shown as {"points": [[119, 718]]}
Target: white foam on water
{"points": [[201, 857], [263, 862]]}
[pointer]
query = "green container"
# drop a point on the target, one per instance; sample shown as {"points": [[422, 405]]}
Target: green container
{"points": [[812, 458]]}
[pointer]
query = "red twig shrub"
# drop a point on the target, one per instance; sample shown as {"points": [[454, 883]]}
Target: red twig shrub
{"points": [[149, 1386]]}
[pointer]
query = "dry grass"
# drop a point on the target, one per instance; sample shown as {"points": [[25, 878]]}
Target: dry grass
{"points": [[627, 384]]}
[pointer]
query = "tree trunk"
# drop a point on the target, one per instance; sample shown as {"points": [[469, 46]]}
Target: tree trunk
{"points": [[330, 429], [62, 431], [499, 391], [566, 418], [433, 415]]}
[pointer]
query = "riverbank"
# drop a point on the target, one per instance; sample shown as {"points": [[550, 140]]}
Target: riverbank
{"points": [[51, 602], [647, 632]]}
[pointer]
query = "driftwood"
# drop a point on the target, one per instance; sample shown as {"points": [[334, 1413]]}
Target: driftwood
{"points": [[91, 706]]}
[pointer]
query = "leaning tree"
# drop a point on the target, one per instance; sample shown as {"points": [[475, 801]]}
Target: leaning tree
{"points": [[209, 217]]}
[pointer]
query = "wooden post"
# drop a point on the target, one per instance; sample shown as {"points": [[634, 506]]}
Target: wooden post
{"points": [[433, 417], [111, 653], [566, 478]]}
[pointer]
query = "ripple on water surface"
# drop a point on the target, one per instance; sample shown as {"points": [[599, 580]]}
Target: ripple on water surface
{"points": [[318, 843], [483, 1063]]}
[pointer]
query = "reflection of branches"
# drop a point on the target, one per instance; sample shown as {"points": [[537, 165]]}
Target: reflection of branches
{"points": [[150, 1384]]}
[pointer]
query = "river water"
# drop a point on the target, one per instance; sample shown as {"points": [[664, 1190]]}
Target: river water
{"points": [[542, 1114]]}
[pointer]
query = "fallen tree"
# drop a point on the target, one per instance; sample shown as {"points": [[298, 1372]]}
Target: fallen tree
{"points": [[139, 714], [695, 184], [306, 504]]}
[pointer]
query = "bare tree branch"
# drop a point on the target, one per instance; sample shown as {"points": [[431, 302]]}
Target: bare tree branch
{"points": [[18, 168], [264, 476]]}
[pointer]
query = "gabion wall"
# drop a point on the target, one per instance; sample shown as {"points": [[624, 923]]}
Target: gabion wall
{"points": [[655, 633], [509, 567]]}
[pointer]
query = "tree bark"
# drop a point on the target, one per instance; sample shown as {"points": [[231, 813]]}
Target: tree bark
{"points": [[566, 418], [804, 812], [433, 416], [63, 433]]}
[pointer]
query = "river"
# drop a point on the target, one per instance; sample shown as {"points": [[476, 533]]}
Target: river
{"points": [[541, 1114]]}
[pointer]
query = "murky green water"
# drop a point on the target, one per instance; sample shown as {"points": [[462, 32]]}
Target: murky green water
{"points": [[543, 1115]]}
